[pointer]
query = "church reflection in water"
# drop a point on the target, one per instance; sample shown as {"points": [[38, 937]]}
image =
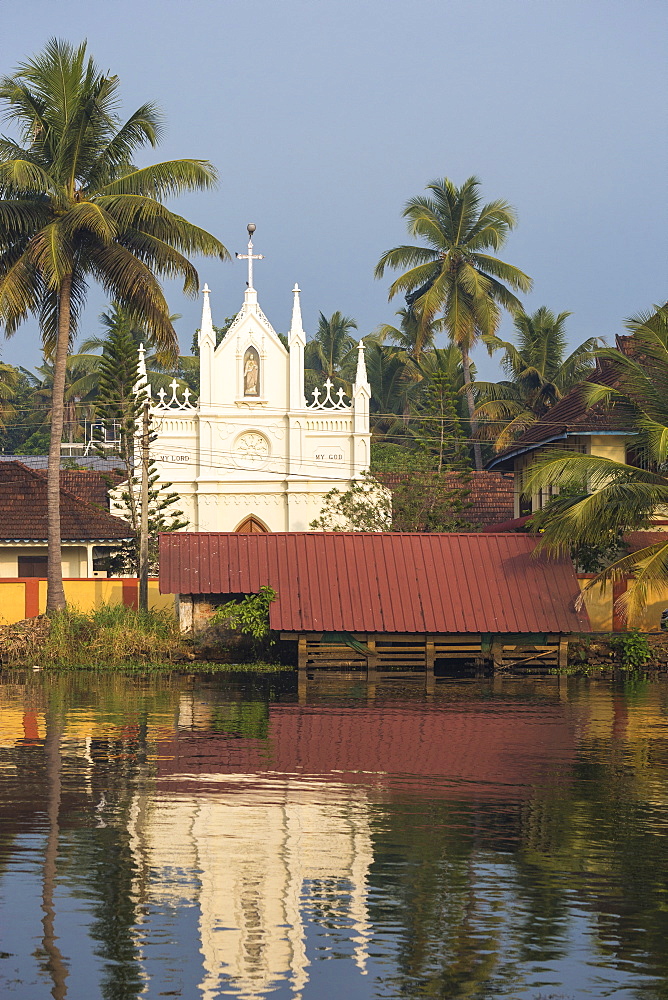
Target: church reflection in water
{"points": [[255, 853]]}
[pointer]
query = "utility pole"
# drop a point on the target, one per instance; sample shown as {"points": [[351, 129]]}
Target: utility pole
{"points": [[143, 526]]}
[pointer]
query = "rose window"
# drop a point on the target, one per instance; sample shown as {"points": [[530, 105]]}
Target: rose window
{"points": [[252, 449]]}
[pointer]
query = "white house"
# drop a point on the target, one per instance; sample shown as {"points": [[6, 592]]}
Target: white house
{"points": [[252, 454]]}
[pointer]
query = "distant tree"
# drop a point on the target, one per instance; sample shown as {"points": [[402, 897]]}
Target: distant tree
{"points": [[600, 499], [390, 383], [10, 380], [220, 332], [452, 275], [539, 375], [417, 498], [437, 429], [365, 506], [414, 335], [118, 405], [331, 353]]}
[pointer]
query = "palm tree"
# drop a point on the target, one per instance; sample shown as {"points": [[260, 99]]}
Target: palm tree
{"points": [[453, 274], [414, 333], [10, 378], [80, 385], [74, 208], [386, 371], [538, 375], [332, 351], [600, 498]]}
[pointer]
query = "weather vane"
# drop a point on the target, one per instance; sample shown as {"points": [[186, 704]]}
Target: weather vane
{"points": [[250, 256]]}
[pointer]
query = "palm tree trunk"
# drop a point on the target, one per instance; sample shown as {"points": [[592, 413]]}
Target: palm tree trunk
{"points": [[466, 365], [55, 596], [54, 958]]}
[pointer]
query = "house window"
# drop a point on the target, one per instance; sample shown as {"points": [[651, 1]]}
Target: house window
{"points": [[33, 566], [640, 458]]}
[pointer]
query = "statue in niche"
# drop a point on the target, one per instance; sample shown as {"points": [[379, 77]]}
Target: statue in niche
{"points": [[251, 372]]}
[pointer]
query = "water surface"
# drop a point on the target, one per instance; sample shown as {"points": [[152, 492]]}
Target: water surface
{"points": [[206, 837]]}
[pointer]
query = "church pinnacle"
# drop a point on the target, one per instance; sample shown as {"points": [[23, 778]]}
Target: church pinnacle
{"points": [[296, 326], [206, 332]]}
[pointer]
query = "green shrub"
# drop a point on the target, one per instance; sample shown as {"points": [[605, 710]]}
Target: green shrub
{"points": [[250, 615], [633, 649]]}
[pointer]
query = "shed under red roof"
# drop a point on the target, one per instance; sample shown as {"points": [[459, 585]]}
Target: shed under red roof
{"points": [[382, 582]]}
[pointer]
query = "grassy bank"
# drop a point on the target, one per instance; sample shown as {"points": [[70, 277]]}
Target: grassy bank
{"points": [[111, 634], [111, 637]]}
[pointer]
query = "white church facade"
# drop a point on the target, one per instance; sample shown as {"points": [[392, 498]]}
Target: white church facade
{"points": [[252, 454]]}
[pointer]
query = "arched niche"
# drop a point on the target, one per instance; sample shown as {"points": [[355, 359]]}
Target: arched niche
{"points": [[251, 372], [252, 525]]}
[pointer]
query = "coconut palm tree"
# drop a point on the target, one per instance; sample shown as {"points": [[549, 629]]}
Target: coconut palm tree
{"points": [[453, 274], [386, 370], [79, 389], [538, 375], [10, 378], [332, 351], [74, 208], [600, 498], [414, 335]]}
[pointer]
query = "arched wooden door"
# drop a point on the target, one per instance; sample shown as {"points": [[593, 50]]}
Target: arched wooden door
{"points": [[252, 525]]}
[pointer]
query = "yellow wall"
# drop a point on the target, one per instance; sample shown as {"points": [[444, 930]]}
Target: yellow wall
{"points": [[85, 595], [610, 446], [12, 602], [600, 611], [599, 607]]}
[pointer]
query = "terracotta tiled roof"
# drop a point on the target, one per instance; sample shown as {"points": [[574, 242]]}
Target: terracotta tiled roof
{"points": [[23, 510], [571, 416], [88, 484], [381, 582], [491, 493]]}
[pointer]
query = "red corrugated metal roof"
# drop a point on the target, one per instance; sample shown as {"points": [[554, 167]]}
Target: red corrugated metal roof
{"points": [[359, 582]]}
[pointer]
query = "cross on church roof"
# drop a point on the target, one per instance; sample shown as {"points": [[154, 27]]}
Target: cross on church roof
{"points": [[250, 256]]}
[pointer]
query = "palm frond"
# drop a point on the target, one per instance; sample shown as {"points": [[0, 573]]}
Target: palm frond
{"points": [[164, 180]]}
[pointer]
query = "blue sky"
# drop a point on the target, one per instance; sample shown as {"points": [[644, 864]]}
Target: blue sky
{"points": [[324, 118]]}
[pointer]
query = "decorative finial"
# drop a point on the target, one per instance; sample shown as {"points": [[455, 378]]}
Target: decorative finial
{"points": [[250, 257]]}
